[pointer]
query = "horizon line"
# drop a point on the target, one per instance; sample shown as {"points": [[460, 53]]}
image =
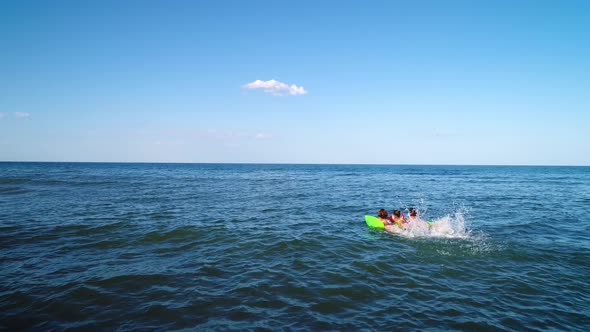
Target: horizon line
{"points": [[282, 163]]}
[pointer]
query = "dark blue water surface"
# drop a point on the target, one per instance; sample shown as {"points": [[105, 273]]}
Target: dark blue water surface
{"points": [[90, 246]]}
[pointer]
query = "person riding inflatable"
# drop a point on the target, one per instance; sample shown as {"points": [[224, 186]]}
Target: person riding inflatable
{"points": [[398, 218]]}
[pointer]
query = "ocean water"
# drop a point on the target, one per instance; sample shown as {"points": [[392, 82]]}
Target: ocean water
{"points": [[92, 246]]}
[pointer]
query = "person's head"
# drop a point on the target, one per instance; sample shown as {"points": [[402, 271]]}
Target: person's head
{"points": [[382, 213], [397, 213], [413, 212]]}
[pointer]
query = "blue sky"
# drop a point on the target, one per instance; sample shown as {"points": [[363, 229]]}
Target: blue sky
{"points": [[387, 82]]}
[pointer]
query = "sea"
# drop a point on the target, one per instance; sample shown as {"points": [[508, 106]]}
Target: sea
{"points": [[281, 247]]}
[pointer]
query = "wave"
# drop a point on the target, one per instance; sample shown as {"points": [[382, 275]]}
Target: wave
{"points": [[13, 190]]}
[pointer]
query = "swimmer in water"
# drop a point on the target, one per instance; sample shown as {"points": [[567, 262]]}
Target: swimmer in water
{"points": [[416, 222], [413, 214]]}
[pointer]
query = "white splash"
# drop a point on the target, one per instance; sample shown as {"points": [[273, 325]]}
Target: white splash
{"points": [[449, 226]]}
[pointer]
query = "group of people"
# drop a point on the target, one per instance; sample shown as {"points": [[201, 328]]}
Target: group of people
{"points": [[397, 220]]}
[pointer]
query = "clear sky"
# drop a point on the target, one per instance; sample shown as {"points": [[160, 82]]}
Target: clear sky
{"points": [[387, 82]]}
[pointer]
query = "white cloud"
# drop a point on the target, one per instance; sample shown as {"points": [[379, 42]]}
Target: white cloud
{"points": [[263, 136], [22, 114], [276, 88], [227, 135], [15, 114]]}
